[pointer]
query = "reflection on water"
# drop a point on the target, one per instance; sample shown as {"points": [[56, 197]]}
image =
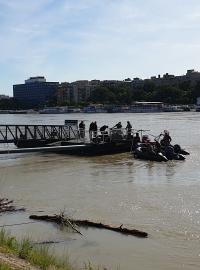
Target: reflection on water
{"points": [[160, 198]]}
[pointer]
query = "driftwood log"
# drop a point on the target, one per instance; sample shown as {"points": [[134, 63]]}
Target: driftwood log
{"points": [[59, 219], [7, 206]]}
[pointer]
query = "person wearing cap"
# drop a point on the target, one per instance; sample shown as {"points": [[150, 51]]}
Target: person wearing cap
{"points": [[166, 138], [128, 129], [82, 129]]}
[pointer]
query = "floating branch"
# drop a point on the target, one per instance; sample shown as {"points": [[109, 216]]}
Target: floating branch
{"points": [[59, 219], [7, 206]]}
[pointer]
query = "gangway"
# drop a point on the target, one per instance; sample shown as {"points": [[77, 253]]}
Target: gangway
{"points": [[13, 133]]}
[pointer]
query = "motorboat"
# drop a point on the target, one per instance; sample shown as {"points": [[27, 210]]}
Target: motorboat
{"points": [[143, 153]]}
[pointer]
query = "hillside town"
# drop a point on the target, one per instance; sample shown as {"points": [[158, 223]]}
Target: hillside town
{"points": [[155, 94]]}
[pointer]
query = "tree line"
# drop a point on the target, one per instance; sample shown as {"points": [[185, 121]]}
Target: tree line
{"points": [[183, 93], [125, 93]]}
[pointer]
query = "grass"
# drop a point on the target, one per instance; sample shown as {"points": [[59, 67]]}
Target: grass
{"points": [[38, 256], [4, 267]]}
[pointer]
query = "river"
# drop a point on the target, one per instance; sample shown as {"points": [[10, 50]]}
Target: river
{"points": [[162, 199]]}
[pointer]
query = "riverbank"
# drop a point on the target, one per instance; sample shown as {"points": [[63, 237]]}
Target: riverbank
{"points": [[12, 262], [25, 255], [137, 107]]}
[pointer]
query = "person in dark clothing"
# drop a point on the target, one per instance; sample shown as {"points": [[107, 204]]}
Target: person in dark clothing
{"points": [[137, 137], [103, 128], [136, 140], [128, 129], [118, 125], [145, 139], [104, 132], [82, 129], [95, 128], [117, 133], [157, 146], [91, 129], [166, 139], [91, 126]]}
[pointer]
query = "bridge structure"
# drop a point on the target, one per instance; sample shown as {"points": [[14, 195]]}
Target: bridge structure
{"points": [[13, 133]]}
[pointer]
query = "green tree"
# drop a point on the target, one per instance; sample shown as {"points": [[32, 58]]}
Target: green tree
{"points": [[10, 104], [185, 86], [168, 94], [195, 92], [149, 86], [102, 95]]}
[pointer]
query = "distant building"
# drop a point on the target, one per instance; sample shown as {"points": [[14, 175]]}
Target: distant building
{"points": [[137, 82], [76, 92], [191, 76], [35, 91], [64, 94], [112, 83]]}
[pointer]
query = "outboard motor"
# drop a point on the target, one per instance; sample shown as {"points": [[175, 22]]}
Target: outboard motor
{"points": [[177, 148], [169, 152]]}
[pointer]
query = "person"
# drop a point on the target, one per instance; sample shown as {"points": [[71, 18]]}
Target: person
{"points": [[104, 133], [103, 129], [128, 129], [91, 129], [145, 139], [82, 129], [136, 140], [150, 148], [157, 146], [166, 138], [118, 125], [95, 128]]}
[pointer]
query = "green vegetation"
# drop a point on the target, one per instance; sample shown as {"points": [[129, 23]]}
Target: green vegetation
{"points": [[4, 267], [126, 93], [39, 256], [10, 104]]}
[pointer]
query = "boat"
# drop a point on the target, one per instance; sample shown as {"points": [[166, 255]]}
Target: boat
{"points": [[67, 139], [97, 149], [142, 153], [146, 107], [94, 109], [172, 108], [157, 151], [170, 153], [75, 148], [54, 110]]}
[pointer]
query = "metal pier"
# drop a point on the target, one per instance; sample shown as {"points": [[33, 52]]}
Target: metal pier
{"points": [[12, 133]]}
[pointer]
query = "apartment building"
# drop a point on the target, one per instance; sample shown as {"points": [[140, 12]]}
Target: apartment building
{"points": [[168, 79], [76, 92], [35, 91]]}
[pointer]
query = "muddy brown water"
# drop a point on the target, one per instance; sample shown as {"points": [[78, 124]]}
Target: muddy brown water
{"points": [[162, 199]]}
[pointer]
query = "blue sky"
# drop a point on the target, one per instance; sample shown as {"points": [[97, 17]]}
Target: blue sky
{"points": [[68, 40]]}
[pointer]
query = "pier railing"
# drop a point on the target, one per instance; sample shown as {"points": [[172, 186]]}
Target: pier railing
{"points": [[11, 133]]}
